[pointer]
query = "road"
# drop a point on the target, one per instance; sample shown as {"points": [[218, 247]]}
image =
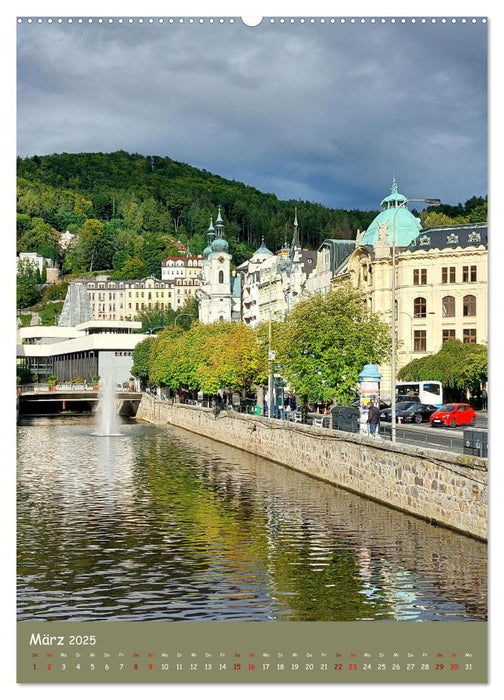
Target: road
{"points": [[438, 438]]}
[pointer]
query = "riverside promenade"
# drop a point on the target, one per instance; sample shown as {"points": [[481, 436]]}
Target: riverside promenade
{"points": [[444, 488]]}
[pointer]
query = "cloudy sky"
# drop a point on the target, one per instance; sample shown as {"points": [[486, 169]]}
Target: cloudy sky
{"points": [[327, 112]]}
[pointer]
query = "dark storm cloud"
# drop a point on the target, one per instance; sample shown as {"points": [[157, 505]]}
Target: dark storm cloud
{"points": [[319, 112]]}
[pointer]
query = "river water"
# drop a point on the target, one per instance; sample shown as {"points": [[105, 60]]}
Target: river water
{"points": [[161, 524]]}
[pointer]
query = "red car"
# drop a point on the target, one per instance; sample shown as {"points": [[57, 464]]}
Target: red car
{"points": [[453, 414]]}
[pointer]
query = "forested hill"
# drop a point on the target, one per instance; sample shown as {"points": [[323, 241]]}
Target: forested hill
{"points": [[128, 210], [146, 195]]}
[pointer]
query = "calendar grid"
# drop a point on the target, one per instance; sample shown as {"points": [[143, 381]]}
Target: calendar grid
{"points": [[252, 652]]}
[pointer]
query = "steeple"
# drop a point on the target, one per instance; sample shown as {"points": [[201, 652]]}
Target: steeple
{"points": [[219, 225], [210, 238], [211, 231], [296, 245]]}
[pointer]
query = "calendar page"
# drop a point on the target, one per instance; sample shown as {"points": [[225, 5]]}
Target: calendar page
{"points": [[252, 336]]}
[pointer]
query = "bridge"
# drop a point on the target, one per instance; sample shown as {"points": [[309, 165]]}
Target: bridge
{"points": [[39, 401]]}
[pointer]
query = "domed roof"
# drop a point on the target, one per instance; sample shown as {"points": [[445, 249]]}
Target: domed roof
{"points": [[394, 197], [394, 210], [220, 245], [262, 252], [210, 237]]}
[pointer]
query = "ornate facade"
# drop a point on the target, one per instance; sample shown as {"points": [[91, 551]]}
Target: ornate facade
{"points": [[219, 292], [273, 284], [441, 280], [119, 300]]}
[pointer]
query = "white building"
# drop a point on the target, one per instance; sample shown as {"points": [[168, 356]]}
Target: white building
{"points": [[103, 348], [331, 255], [38, 262], [440, 280], [249, 272], [273, 284], [182, 268], [219, 293]]}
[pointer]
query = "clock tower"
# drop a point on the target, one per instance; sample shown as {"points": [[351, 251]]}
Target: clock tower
{"points": [[216, 291]]}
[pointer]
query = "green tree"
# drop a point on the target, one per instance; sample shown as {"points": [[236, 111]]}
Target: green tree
{"points": [[459, 366], [141, 360], [27, 284], [325, 341], [133, 269], [155, 320], [155, 249], [50, 313], [23, 224], [40, 238], [89, 242], [208, 358], [55, 292]]}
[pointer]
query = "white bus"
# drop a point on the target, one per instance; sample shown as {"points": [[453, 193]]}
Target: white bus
{"points": [[428, 392]]}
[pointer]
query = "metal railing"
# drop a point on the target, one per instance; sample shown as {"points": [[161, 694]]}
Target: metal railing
{"points": [[41, 387], [432, 439], [442, 441]]}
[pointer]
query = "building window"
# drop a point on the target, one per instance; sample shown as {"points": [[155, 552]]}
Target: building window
{"points": [[448, 307], [420, 276], [469, 273], [469, 335], [448, 334], [469, 305], [420, 341], [448, 275], [420, 308], [221, 277]]}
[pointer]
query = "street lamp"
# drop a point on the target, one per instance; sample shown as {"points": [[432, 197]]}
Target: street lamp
{"points": [[393, 371], [411, 331], [271, 353], [150, 331]]}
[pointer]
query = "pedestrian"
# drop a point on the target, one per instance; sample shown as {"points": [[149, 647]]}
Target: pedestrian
{"points": [[373, 419], [484, 400]]}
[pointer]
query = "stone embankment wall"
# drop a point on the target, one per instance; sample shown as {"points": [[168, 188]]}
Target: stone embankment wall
{"points": [[442, 487]]}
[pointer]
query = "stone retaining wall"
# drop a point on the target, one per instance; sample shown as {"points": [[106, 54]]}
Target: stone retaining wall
{"points": [[442, 487]]}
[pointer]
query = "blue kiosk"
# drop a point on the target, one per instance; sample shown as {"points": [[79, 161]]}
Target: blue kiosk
{"points": [[369, 380]]}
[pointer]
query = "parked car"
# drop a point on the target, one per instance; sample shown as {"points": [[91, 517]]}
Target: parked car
{"points": [[406, 397], [383, 404], [386, 414], [417, 413], [453, 414]]}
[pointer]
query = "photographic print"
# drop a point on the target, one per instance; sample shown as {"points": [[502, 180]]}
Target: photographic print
{"points": [[252, 350]]}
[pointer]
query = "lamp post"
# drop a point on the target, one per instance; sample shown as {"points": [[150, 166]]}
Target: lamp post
{"points": [[271, 353], [151, 331], [393, 371], [411, 331]]}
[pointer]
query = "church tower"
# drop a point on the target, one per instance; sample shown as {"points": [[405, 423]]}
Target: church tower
{"points": [[215, 292], [296, 244]]}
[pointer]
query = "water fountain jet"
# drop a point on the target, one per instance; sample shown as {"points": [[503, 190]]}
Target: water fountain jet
{"points": [[107, 420]]}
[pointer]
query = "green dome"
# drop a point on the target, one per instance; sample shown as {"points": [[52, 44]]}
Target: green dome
{"points": [[210, 237], [220, 245], [394, 197], [407, 226]]}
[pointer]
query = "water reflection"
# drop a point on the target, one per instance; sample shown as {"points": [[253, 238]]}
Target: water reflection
{"points": [[164, 525]]}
